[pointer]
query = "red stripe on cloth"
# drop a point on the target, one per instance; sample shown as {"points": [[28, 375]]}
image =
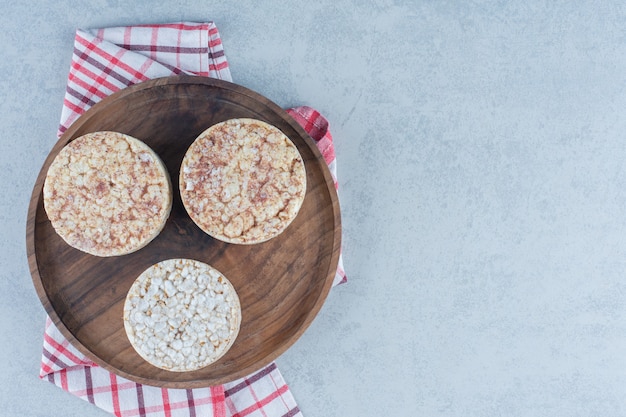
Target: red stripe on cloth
{"points": [[153, 43], [221, 65], [217, 396], [63, 375], [161, 409], [96, 390], [127, 31], [45, 370], [215, 42], [178, 43], [281, 397], [310, 122], [166, 402], [262, 403], [115, 395], [312, 125], [185, 403], [126, 385], [102, 389], [213, 31], [145, 66]]}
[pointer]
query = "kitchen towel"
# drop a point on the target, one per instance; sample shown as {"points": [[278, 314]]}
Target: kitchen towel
{"points": [[107, 60]]}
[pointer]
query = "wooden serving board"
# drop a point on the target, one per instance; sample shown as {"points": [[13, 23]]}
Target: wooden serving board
{"points": [[281, 283]]}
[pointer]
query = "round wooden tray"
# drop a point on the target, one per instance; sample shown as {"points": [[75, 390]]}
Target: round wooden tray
{"points": [[281, 283]]}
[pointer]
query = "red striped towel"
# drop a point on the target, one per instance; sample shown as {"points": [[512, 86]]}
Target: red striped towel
{"points": [[107, 60]]}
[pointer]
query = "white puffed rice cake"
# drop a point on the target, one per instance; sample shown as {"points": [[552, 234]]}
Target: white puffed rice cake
{"points": [[181, 315], [242, 181], [107, 194]]}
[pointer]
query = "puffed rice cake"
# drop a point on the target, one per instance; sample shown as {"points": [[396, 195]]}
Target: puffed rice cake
{"points": [[242, 181], [182, 315], [107, 194]]}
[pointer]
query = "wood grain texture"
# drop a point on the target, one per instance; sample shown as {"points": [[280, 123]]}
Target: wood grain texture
{"points": [[281, 283]]}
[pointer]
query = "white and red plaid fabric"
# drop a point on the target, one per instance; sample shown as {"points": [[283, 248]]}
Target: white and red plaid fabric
{"points": [[107, 60]]}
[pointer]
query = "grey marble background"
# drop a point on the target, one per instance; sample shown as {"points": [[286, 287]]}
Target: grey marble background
{"points": [[480, 148]]}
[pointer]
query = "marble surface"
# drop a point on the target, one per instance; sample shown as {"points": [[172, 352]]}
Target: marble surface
{"points": [[480, 149]]}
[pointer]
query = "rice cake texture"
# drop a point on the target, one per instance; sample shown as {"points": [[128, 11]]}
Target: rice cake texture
{"points": [[181, 315], [107, 194], [242, 181]]}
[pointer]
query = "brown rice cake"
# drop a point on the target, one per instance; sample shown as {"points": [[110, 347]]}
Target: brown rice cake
{"points": [[181, 315], [107, 194], [242, 181]]}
